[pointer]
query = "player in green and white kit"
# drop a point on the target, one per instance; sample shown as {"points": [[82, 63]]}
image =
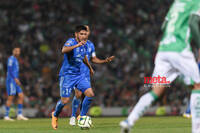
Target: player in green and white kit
{"points": [[175, 57]]}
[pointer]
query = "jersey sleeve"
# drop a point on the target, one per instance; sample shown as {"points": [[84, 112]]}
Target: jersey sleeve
{"points": [[196, 8], [15, 71], [69, 43], [93, 50]]}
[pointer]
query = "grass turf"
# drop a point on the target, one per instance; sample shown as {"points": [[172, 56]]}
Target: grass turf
{"points": [[101, 125]]}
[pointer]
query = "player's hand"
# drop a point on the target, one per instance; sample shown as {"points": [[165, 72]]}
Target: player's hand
{"points": [[81, 43], [91, 72], [18, 82], [109, 59]]}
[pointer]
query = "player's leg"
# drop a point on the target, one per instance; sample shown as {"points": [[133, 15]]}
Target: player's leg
{"points": [[195, 108], [163, 69], [143, 104], [85, 87], [60, 104], [11, 92], [20, 104], [191, 71], [65, 90], [7, 108], [187, 113], [190, 83], [75, 104], [89, 94], [83, 97]]}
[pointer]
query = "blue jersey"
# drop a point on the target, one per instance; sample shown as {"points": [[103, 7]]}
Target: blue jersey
{"points": [[90, 52], [12, 68], [73, 60], [12, 73]]}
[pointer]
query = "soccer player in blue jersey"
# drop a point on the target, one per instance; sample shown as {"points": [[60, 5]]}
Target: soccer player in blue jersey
{"points": [[70, 75], [13, 85], [91, 55]]}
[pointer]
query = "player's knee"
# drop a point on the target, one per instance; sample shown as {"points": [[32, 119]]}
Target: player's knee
{"points": [[65, 100], [91, 94], [78, 94], [21, 96], [197, 86], [9, 101], [158, 90], [10, 98]]}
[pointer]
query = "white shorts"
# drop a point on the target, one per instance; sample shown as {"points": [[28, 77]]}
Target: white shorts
{"points": [[172, 64]]}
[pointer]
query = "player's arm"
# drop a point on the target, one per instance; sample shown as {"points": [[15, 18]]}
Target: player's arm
{"points": [[88, 65], [100, 61], [194, 22], [67, 49], [96, 60], [16, 78], [18, 81]]}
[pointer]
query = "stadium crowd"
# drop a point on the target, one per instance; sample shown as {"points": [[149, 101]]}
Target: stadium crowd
{"points": [[127, 29]]}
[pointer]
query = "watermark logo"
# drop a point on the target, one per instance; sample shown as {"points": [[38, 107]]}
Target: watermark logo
{"points": [[162, 81]]}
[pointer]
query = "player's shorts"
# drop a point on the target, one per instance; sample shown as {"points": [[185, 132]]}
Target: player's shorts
{"points": [[172, 64], [12, 88], [188, 81], [67, 83], [88, 77]]}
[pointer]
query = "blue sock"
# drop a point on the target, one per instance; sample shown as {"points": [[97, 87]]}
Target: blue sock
{"points": [[188, 111], [85, 105], [20, 107], [7, 111], [75, 105], [59, 107]]}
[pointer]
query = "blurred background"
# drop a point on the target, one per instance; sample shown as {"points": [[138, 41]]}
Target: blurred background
{"points": [[127, 29]]}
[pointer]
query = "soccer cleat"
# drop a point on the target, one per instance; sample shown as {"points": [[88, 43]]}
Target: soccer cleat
{"points": [[6, 118], [125, 127], [21, 117], [72, 121], [54, 121], [187, 115]]}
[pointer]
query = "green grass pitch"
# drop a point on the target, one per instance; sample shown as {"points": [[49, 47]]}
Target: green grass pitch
{"points": [[101, 125]]}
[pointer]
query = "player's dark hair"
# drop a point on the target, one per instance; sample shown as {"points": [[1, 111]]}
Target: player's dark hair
{"points": [[80, 27], [15, 45]]}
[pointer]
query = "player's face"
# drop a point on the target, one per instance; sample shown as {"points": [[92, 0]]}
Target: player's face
{"points": [[82, 35], [16, 52]]}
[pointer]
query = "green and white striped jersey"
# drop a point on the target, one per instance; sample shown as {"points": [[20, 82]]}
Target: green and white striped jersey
{"points": [[177, 34]]}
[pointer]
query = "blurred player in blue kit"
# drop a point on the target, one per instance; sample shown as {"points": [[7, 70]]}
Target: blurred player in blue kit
{"points": [[13, 85], [91, 55]]}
